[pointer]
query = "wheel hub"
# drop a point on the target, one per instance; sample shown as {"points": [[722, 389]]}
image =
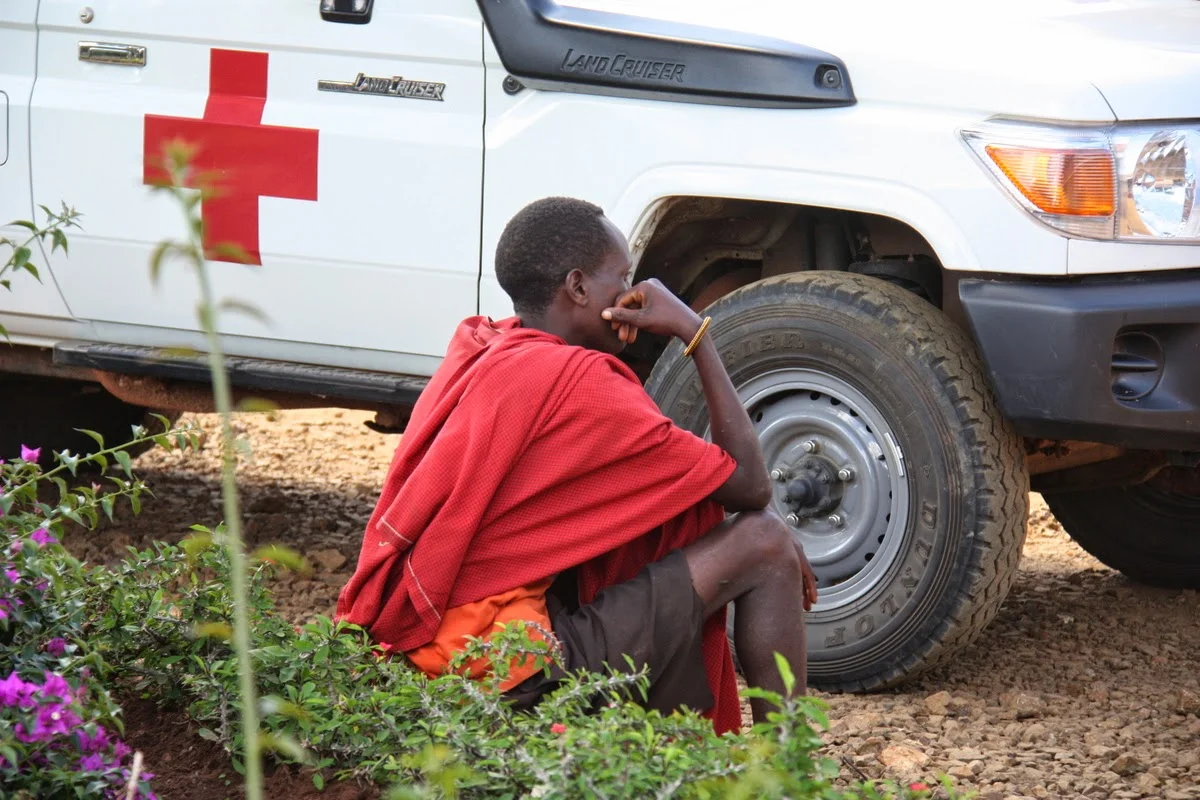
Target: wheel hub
{"points": [[812, 487], [838, 477]]}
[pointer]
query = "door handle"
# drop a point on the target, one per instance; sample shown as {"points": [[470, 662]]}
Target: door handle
{"points": [[126, 55], [354, 12]]}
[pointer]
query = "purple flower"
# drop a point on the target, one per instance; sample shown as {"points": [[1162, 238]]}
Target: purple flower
{"points": [[42, 586], [43, 536], [12, 575], [3, 613], [56, 647], [56, 686], [30, 453], [91, 763], [16, 692], [93, 744], [52, 720], [120, 750], [15, 547]]}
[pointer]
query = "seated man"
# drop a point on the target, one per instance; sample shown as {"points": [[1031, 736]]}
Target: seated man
{"points": [[538, 482]]}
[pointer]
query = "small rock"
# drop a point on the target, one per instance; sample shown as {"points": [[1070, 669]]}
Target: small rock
{"points": [[1023, 704], [903, 759], [976, 767], [1098, 692], [961, 771], [330, 559], [871, 745], [939, 704], [858, 722], [966, 754], [1146, 648], [1034, 733], [1187, 759], [1126, 764], [1165, 756], [1102, 752], [1147, 783], [1189, 702]]}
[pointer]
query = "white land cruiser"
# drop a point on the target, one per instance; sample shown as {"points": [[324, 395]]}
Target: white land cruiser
{"points": [[951, 249]]}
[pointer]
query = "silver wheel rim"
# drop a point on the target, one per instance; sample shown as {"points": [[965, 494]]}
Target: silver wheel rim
{"points": [[812, 426]]}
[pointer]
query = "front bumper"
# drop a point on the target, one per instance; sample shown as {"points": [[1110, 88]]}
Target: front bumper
{"points": [[1102, 359]]}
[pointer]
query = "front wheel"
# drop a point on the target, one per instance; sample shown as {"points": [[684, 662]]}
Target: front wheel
{"points": [[890, 460], [1151, 535]]}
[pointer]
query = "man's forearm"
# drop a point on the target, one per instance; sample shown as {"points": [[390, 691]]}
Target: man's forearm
{"points": [[730, 424]]}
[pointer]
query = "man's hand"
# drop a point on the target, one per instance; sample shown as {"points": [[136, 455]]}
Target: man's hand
{"points": [[809, 579], [650, 306]]}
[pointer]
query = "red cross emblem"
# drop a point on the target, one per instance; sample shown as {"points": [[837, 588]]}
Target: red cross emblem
{"points": [[249, 159]]}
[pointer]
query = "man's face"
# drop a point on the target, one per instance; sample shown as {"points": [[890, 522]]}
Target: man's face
{"points": [[604, 285]]}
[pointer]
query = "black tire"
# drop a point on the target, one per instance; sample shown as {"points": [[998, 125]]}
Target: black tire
{"points": [[1150, 535], [954, 559], [44, 412]]}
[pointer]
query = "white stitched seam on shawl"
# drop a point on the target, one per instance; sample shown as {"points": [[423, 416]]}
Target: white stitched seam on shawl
{"points": [[413, 572], [395, 532]]}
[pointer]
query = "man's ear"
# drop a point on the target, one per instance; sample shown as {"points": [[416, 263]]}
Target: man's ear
{"points": [[576, 285]]}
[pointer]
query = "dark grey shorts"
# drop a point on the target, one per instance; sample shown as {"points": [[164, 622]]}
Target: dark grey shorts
{"points": [[656, 618]]}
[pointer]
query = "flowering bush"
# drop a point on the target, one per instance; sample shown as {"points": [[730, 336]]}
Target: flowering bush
{"points": [[59, 726]]}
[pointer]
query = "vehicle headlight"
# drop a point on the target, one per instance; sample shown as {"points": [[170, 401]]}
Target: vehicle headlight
{"points": [[1125, 182]]}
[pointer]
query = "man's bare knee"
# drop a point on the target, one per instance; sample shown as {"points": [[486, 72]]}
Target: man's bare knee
{"points": [[770, 541]]}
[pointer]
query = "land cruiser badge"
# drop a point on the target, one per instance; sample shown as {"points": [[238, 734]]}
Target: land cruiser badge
{"points": [[394, 86]]}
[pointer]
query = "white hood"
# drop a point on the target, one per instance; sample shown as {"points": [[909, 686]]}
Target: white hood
{"points": [[1082, 60]]}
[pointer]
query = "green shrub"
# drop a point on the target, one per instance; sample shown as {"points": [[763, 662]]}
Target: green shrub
{"points": [[332, 701]]}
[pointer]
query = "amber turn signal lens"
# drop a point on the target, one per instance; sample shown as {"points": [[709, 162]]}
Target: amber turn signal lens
{"points": [[1076, 183]]}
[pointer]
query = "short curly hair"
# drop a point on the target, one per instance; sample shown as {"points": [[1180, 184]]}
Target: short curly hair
{"points": [[542, 243]]}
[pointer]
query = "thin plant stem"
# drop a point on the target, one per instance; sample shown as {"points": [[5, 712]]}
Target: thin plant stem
{"points": [[223, 398]]}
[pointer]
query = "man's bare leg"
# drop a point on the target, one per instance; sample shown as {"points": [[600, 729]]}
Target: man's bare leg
{"points": [[752, 561]]}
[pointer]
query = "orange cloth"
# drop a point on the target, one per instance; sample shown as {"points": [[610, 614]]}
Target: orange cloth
{"points": [[482, 618]]}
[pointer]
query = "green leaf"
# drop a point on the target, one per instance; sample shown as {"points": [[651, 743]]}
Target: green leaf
{"points": [[284, 556], [214, 630], [24, 223], [239, 307], [256, 404], [319, 781], [196, 543], [285, 745], [205, 733], [785, 672], [156, 259], [97, 437], [125, 461], [60, 240], [20, 257], [32, 270], [10, 755], [106, 503]]}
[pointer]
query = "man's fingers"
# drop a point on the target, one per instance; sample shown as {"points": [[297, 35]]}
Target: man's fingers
{"points": [[625, 316]]}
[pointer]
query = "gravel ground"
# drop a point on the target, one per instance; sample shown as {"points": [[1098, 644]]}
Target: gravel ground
{"points": [[1086, 685]]}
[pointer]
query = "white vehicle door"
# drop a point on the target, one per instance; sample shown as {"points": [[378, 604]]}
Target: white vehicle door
{"points": [[350, 156], [18, 62]]}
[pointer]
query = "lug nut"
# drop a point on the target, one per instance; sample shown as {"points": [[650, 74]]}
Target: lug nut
{"points": [[811, 446], [835, 520], [778, 475], [793, 520], [845, 474]]}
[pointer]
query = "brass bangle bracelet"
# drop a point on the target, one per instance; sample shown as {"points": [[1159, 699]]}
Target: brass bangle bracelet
{"points": [[687, 351]]}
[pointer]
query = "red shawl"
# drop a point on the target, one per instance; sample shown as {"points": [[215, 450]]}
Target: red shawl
{"points": [[524, 457]]}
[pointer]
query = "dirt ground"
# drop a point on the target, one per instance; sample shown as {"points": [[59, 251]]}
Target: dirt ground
{"points": [[1086, 685]]}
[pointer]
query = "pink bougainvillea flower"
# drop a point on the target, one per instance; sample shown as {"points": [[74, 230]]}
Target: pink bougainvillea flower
{"points": [[56, 686], [12, 575], [15, 547], [93, 744], [92, 763], [16, 692], [30, 453], [43, 536], [558, 727], [56, 646], [918, 787]]}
